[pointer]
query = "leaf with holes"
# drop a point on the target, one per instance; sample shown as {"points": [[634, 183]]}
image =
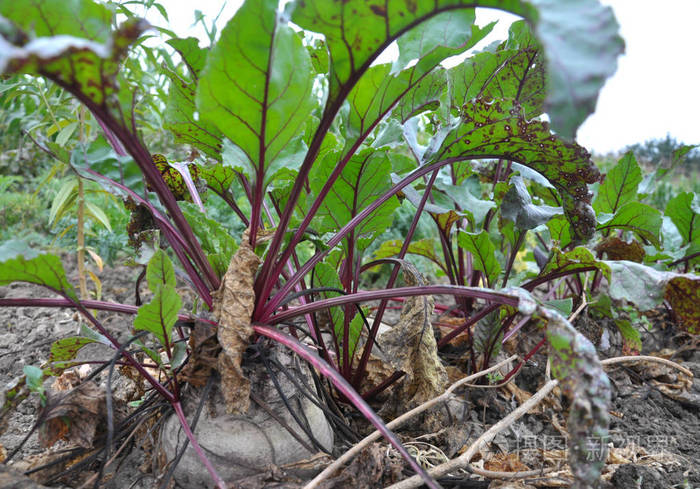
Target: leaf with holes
{"points": [[500, 129], [74, 45]]}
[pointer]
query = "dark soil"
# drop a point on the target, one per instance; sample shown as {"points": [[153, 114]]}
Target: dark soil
{"points": [[655, 431]]}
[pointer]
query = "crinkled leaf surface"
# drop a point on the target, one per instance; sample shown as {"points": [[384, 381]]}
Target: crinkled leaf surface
{"points": [[483, 253], [499, 129], [19, 264], [515, 71], [619, 185], [256, 88], [638, 218], [517, 206], [180, 110], [684, 211], [74, 44], [579, 38], [364, 179]]}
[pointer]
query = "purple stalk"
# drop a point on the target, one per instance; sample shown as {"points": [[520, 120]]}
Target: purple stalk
{"points": [[113, 141], [198, 450], [143, 159], [169, 231], [167, 395], [513, 253], [529, 286], [371, 295], [184, 170], [347, 390], [369, 344], [516, 328], [263, 285], [467, 324], [88, 304], [272, 304]]}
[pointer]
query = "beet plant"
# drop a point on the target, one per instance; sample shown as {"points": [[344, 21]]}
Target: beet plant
{"points": [[314, 147]]}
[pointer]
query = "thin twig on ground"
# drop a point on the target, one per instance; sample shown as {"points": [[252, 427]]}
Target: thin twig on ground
{"points": [[463, 460], [358, 447]]}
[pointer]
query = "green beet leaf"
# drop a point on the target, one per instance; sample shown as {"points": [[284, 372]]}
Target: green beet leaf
{"points": [[580, 41], [517, 206], [515, 71], [684, 211], [215, 239], [257, 89], [18, 263], [483, 253], [619, 186], [160, 271], [363, 180], [638, 218], [422, 247], [646, 288], [570, 261], [160, 314], [180, 111]]}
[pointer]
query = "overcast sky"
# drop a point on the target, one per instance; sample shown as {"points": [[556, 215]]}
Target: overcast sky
{"points": [[656, 90]]}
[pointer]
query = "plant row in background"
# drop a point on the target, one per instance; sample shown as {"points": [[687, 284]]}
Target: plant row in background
{"points": [[314, 150]]}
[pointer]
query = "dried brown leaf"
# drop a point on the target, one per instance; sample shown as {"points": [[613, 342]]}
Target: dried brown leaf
{"points": [[372, 468], [205, 349], [617, 249], [410, 347], [233, 307], [73, 416]]}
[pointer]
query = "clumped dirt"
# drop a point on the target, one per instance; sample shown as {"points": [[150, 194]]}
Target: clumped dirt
{"points": [[655, 425]]}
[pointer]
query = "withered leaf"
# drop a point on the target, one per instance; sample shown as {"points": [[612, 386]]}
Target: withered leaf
{"points": [[617, 249], [233, 307], [205, 350], [410, 347], [73, 416]]}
